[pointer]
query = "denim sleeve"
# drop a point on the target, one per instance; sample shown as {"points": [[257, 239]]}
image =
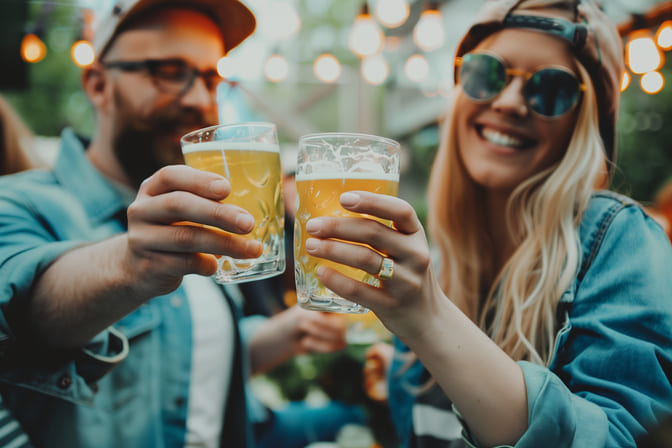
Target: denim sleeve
{"points": [[610, 378], [29, 243]]}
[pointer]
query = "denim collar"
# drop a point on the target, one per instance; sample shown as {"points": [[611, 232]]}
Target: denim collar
{"points": [[98, 196]]}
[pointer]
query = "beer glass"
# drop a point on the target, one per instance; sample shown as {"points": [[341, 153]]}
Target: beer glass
{"points": [[329, 164], [248, 155]]}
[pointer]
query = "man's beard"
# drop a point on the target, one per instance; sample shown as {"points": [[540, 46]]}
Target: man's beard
{"points": [[144, 145]]}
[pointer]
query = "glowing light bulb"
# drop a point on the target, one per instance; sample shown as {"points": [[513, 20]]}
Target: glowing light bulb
{"points": [[327, 68], [625, 81], [276, 68], [641, 54], [280, 21], [375, 70], [365, 38], [82, 53], [664, 35], [416, 68], [652, 82], [428, 33], [226, 68], [392, 13], [32, 48]]}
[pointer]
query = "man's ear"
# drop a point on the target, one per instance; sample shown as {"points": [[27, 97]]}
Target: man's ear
{"points": [[97, 86]]}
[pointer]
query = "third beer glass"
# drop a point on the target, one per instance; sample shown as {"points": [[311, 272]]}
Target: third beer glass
{"points": [[248, 155], [329, 164]]}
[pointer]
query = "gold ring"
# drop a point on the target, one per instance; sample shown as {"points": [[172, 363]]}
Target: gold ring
{"points": [[386, 269]]}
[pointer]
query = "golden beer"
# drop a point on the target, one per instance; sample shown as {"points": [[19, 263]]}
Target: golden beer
{"points": [[256, 186], [318, 195]]}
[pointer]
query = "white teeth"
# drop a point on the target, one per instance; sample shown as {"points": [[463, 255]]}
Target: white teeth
{"points": [[502, 139]]}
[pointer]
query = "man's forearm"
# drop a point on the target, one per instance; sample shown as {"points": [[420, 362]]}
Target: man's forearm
{"points": [[82, 293]]}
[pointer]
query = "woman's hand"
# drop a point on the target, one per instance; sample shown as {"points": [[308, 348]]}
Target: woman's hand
{"points": [[403, 302]]}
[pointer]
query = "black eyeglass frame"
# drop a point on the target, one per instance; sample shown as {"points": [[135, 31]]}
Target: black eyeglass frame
{"points": [[512, 73], [153, 67]]}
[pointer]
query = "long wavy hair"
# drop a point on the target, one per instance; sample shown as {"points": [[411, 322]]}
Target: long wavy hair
{"points": [[516, 306]]}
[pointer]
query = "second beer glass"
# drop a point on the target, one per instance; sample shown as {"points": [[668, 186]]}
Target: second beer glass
{"points": [[328, 165], [249, 156]]}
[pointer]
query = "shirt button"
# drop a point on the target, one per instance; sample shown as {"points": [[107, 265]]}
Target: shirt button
{"points": [[179, 402], [176, 301], [64, 382], [94, 388]]}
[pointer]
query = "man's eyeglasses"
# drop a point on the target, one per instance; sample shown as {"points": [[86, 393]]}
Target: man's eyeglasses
{"points": [[173, 76], [549, 91]]}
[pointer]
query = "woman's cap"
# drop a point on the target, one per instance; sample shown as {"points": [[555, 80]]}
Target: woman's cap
{"points": [[233, 19], [590, 33]]}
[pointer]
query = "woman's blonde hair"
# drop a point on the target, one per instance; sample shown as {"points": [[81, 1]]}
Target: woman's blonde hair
{"points": [[516, 306]]}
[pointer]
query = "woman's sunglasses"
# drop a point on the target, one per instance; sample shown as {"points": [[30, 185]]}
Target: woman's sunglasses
{"points": [[549, 91]]}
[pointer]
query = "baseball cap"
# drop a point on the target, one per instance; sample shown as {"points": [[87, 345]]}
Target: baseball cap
{"points": [[590, 33], [233, 19]]}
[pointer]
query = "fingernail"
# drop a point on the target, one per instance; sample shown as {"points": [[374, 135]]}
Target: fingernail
{"points": [[314, 226], [244, 222], [350, 199], [312, 244], [319, 271], [254, 248], [219, 187]]}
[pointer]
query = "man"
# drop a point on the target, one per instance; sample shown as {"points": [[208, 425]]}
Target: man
{"points": [[107, 336]]}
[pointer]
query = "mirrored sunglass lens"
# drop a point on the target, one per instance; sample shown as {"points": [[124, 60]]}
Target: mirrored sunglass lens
{"points": [[552, 92], [482, 76]]}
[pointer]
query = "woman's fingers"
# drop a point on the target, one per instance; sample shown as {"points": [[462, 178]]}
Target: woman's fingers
{"points": [[383, 206]]}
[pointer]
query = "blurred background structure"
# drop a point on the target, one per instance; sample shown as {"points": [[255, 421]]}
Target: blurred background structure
{"points": [[378, 66]]}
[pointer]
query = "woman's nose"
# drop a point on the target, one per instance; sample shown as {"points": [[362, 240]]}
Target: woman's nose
{"points": [[511, 99]]}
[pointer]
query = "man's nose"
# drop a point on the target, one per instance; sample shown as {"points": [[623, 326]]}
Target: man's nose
{"points": [[198, 95]]}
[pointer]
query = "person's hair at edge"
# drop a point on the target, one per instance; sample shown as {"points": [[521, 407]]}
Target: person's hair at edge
{"points": [[543, 213], [14, 135]]}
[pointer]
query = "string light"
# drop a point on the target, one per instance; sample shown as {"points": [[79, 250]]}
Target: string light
{"points": [[428, 33], [375, 69], [32, 48], [625, 81], [416, 68], [276, 68], [365, 38], [664, 35], [641, 53], [327, 68], [392, 13], [280, 21], [652, 82], [82, 53], [226, 68]]}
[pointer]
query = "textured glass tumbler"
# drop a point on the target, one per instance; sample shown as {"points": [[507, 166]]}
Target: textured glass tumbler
{"points": [[328, 165], [248, 155]]}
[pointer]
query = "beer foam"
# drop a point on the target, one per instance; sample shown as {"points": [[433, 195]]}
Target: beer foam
{"points": [[230, 146], [394, 177]]}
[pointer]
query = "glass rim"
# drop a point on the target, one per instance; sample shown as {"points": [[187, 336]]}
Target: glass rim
{"points": [[377, 138], [190, 134]]}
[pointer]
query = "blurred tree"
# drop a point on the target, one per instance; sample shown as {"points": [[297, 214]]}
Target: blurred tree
{"points": [[644, 159], [53, 98]]}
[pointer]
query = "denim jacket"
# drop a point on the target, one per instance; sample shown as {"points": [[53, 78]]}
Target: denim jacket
{"points": [[129, 386], [609, 378]]}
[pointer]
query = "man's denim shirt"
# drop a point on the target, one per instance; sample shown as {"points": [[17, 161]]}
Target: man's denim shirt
{"points": [[609, 379], [129, 386]]}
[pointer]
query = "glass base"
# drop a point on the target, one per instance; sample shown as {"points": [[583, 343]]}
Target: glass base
{"points": [[331, 303], [241, 271]]}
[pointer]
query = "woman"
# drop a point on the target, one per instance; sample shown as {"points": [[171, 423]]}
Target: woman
{"points": [[548, 320]]}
